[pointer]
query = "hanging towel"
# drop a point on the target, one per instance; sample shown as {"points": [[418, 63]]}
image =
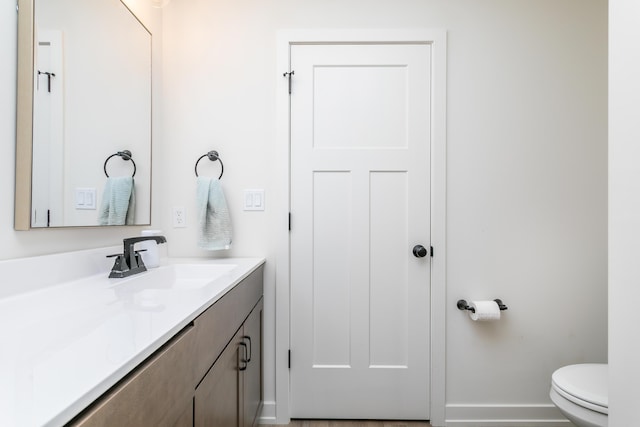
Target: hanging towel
{"points": [[118, 201], [213, 215]]}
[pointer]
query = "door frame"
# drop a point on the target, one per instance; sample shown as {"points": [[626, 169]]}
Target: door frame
{"points": [[279, 411]]}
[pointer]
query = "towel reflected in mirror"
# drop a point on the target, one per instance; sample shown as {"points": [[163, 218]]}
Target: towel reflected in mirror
{"points": [[118, 202]]}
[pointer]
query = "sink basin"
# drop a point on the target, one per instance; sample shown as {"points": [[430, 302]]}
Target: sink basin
{"points": [[194, 276], [155, 289], [187, 276], [201, 271]]}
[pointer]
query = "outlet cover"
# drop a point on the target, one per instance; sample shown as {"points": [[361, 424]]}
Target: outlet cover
{"points": [[178, 217]]}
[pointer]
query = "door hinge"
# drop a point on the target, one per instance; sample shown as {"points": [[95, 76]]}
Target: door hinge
{"points": [[289, 221], [288, 75], [431, 252], [289, 361]]}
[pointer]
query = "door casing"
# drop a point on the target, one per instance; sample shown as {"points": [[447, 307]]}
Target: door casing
{"points": [[280, 409]]}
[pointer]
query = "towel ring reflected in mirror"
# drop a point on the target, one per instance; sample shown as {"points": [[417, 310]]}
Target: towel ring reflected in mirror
{"points": [[126, 155], [213, 156]]}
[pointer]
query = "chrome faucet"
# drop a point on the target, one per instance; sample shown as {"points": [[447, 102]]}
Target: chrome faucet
{"points": [[130, 262]]}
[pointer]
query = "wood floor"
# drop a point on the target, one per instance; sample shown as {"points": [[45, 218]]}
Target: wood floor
{"points": [[364, 423]]}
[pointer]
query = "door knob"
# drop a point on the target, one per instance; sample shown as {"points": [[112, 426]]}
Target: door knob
{"points": [[419, 251]]}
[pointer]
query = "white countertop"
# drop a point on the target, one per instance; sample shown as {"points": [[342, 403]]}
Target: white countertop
{"points": [[63, 346]]}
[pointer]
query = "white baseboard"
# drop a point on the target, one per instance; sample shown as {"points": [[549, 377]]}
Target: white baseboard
{"points": [[268, 414], [477, 415], [504, 416]]}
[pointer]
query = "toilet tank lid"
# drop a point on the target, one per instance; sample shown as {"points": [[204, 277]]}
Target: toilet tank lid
{"points": [[587, 382]]}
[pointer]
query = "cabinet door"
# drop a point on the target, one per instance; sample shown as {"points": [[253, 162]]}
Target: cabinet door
{"points": [[252, 375], [217, 401]]}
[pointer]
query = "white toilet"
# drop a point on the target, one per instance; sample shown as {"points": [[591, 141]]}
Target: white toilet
{"points": [[580, 392]]}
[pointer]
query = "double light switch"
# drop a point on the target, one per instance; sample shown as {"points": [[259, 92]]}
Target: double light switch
{"points": [[253, 200]]}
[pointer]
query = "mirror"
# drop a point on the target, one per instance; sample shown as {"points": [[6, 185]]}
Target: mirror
{"points": [[84, 98]]}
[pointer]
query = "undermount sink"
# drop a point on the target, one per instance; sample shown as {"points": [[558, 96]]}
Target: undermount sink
{"points": [[194, 276], [158, 288], [175, 277]]}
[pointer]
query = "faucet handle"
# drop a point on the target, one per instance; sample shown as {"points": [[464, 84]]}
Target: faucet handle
{"points": [[120, 267], [139, 263], [115, 255]]}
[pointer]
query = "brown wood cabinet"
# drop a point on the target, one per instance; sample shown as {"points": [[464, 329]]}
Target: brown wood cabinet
{"points": [[230, 394], [208, 375]]}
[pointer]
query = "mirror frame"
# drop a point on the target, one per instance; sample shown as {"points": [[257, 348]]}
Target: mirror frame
{"points": [[24, 121], [24, 116]]}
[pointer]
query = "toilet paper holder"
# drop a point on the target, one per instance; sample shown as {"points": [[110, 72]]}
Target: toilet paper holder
{"points": [[462, 305]]}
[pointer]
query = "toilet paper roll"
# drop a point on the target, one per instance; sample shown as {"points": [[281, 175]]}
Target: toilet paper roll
{"points": [[484, 311]]}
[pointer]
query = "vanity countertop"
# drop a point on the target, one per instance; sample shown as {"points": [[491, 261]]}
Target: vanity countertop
{"points": [[63, 346]]}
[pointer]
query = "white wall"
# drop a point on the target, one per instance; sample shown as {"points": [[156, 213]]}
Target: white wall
{"points": [[527, 168], [624, 211], [20, 244]]}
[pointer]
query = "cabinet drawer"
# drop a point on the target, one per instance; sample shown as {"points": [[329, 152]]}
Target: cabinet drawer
{"points": [[155, 394], [217, 325]]}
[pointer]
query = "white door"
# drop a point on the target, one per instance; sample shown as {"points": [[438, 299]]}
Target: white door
{"points": [[360, 182], [47, 203]]}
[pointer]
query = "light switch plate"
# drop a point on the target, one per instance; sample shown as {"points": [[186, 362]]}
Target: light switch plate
{"points": [[254, 200], [85, 198]]}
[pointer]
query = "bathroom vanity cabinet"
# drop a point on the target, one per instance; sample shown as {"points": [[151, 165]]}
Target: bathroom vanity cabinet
{"points": [[207, 375]]}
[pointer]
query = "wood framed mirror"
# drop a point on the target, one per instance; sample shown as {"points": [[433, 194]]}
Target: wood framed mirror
{"points": [[84, 94]]}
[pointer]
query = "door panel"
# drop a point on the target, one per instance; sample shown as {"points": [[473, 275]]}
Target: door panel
{"points": [[330, 295], [360, 152], [388, 287], [348, 123]]}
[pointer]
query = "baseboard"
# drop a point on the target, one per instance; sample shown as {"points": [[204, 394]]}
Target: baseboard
{"points": [[504, 416], [268, 414], [477, 415]]}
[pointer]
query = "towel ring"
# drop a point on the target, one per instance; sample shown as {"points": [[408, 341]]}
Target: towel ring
{"points": [[213, 156], [126, 155]]}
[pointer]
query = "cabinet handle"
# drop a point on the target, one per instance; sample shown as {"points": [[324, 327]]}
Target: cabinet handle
{"points": [[244, 359], [250, 347]]}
